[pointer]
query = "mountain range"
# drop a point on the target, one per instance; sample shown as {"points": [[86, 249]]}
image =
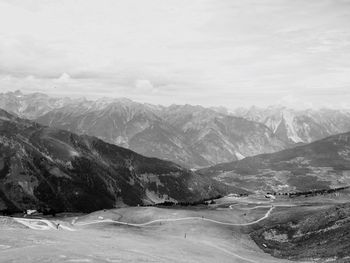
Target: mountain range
{"points": [[42, 166], [192, 136]]}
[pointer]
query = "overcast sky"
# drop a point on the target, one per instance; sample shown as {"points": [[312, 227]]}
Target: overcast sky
{"points": [[223, 52]]}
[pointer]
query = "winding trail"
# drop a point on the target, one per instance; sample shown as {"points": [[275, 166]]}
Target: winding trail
{"points": [[175, 220], [44, 224]]}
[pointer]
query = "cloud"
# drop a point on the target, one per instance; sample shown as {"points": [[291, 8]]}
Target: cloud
{"points": [[30, 78], [168, 51], [144, 85], [64, 78], [294, 102]]}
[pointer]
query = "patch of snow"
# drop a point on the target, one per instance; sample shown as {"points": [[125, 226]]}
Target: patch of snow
{"points": [[239, 156], [289, 121]]}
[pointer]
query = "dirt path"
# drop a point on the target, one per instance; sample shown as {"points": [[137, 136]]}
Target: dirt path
{"points": [[176, 219], [43, 224]]}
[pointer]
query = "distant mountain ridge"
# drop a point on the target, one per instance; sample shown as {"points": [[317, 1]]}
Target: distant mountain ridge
{"points": [[299, 126], [192, 136], [46, 167], [31, 105]]}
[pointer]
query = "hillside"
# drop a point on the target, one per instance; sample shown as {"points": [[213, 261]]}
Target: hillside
{"points": [[306, 234], [46, 167], [319, 165]]}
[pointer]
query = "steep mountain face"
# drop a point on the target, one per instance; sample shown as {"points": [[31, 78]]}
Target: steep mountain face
{"points": [[322, 164], [42, 166], [302, 126], [163, 141], [221, 137]]}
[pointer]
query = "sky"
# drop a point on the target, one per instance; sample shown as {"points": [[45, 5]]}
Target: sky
{"points": [[213, 53]]}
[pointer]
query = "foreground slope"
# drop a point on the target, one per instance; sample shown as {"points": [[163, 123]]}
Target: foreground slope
{"points": [[322, 164], [46, 167], [96, 238], [312, 234]]}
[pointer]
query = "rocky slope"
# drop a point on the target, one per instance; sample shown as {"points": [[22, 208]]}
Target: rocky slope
{"points": [[322, 164], [312, 235], [42, 166]]}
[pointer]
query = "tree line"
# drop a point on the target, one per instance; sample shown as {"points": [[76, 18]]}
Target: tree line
{"points": [[310, 192]]}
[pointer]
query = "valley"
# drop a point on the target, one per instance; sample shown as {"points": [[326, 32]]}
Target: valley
{"points": [[99, 202]]}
